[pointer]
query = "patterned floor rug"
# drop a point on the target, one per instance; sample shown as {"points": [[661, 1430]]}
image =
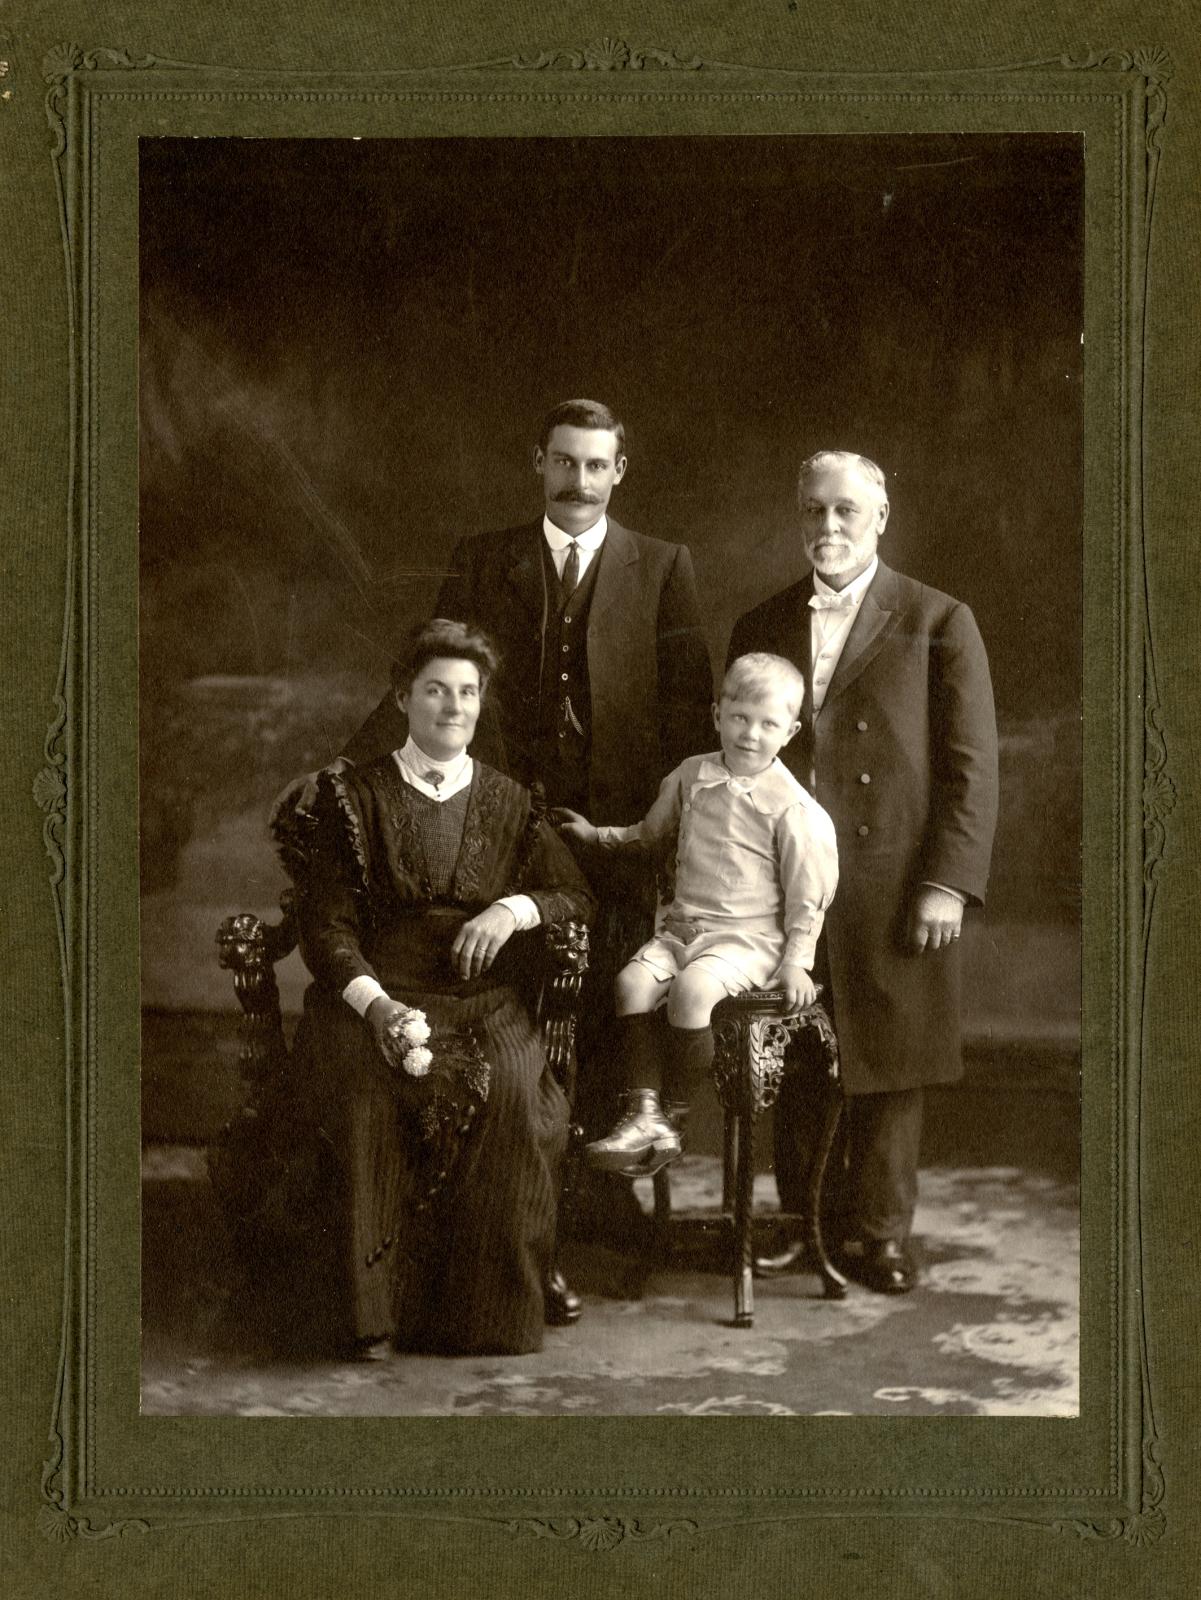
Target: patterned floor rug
{"points": [[991, 1330]]}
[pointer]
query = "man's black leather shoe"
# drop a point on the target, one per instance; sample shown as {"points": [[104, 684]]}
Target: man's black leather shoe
{"points": [[368, 1349], [886, 1266], [562, 1306], [793, 1258]]}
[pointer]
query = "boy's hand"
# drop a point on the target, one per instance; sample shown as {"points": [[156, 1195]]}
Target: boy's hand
{"points": [[799, 988], [574, 825]]}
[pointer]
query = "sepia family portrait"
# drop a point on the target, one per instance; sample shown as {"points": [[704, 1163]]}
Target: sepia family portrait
{"points": [[610, 648]]}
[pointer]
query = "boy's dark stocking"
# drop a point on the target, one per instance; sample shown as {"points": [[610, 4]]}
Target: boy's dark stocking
{"points": [[687, 1060], [641, 1046]]}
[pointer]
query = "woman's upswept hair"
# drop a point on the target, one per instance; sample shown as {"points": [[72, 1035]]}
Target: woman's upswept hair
{"points": [[444, 638], [754, 676]]}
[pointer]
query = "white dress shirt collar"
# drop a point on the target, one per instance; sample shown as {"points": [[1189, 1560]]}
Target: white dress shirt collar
{"points": [[589, 541], [857, 587], [414, 763]]}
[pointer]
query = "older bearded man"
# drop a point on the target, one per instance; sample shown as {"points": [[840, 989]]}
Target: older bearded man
{"points": [[898, 743]]}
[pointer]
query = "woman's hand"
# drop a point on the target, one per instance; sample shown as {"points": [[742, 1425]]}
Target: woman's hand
{"points": [[382, 1016], [480, 941], [799, 988], [574, 825]]}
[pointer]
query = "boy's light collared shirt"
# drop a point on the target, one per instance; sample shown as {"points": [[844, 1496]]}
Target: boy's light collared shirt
{"points": [[457, 773], [757, 852]]}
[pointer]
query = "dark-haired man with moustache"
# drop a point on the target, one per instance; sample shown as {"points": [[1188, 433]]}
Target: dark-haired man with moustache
{"points": [[899, 744], [605, 681]]}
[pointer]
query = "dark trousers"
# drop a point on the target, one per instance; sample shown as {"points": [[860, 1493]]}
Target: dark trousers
{"points": [[871, 1182], [870, 1188]]}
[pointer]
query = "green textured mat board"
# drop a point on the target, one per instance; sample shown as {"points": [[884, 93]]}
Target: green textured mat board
{"points": [[1070, 520]]}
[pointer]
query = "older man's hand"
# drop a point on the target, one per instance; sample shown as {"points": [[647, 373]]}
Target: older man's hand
{"points": [[935, 918], [480, 941]]}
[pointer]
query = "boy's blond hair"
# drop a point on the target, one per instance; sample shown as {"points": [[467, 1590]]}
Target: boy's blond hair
{"points": [[755, 676]]}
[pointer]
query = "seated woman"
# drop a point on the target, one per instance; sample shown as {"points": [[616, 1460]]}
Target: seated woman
{"points": [[425, 866]]}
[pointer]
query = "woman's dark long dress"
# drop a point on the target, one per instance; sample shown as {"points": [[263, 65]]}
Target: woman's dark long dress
{"points": [[393, 877]]}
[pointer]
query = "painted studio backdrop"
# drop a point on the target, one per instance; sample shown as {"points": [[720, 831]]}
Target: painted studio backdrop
{"points": [[347, 347]]}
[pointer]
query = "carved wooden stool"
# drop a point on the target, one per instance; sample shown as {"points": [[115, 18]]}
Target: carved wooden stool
{"points": [[754, 1047]]}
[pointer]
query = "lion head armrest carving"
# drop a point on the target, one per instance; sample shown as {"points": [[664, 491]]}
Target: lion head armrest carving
{"points": [[249, 948]]}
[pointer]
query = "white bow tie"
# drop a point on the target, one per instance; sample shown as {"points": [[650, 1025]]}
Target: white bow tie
{"points": [[831, 602]]}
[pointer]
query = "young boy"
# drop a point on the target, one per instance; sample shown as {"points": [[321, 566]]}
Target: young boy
{"points": [[755, 868]]}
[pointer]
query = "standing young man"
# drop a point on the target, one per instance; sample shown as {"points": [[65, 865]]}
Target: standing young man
{"points": [[605, 682]]}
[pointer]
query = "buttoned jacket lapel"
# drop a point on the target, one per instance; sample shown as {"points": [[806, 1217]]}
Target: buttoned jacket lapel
{"points": [[877, 616], [616, 576]]}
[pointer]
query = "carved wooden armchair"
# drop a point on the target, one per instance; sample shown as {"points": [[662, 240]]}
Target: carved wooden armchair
{"points": [[262, 1164], [754, 1048]]}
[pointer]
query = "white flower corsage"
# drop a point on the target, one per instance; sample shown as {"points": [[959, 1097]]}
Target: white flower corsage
{"points": [[407, 1035], [415, 1029], [418, 1061]]}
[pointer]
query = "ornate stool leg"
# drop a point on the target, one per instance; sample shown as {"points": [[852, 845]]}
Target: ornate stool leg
{"points": [[744, 1294], [748, 1068], [661, 1188], [834, 1284], [822, 1033], [729, 1158]]}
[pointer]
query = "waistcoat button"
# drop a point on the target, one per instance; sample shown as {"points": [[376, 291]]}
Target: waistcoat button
{"points": [[863, 830]]}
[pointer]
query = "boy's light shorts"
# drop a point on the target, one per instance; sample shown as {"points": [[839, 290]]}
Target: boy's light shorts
{"points": [[738, 959]]}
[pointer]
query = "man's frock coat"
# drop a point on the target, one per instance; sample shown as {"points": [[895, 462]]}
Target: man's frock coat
{"points": [[903, 756]]}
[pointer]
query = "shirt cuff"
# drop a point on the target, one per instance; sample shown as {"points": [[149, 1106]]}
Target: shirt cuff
{"points": [[799, 951], [612, 838], [928, 883], [360, 992], [524, 909]]}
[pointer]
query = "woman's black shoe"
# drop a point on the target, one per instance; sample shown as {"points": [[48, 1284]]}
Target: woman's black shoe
{"points": [[562, 1305]]}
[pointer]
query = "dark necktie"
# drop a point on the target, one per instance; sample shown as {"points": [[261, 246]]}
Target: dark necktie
{"points": [[571, 570]]}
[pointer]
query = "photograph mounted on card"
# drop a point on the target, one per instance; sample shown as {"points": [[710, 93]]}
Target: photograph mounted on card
{"points": [[590, 849]]}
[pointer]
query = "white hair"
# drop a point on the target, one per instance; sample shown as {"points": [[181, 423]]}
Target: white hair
{"points": [[842, 458]]}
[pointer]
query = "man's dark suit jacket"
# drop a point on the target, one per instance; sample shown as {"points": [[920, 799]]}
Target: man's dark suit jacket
{"points": [[650, 678], [904, 753]]}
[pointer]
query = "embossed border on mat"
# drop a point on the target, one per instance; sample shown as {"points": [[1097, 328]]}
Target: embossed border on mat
{"points": [[1131, 1506]]}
